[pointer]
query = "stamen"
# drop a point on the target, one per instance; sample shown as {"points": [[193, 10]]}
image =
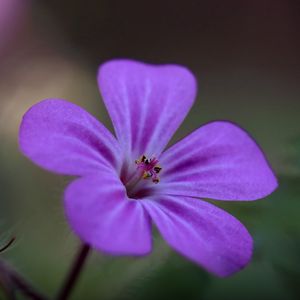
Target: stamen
{"points": [[149, 168]]}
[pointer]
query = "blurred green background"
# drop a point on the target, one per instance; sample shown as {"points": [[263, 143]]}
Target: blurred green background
{"points": [[245, 55]]}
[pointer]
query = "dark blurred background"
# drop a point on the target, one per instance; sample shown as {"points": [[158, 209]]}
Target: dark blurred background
{"points": [[245, 55]]}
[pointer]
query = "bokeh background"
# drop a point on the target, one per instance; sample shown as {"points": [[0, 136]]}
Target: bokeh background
{"points": [[245, 55]]}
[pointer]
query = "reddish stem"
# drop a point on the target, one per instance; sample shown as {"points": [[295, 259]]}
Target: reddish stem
{"points": [[74, 273]]}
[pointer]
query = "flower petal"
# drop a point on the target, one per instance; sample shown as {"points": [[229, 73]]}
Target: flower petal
{"points": [[146, 103], [62, 137], [101, 214], [202, 232], [218, 161]]}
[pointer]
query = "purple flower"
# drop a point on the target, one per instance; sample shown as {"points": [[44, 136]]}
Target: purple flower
{"points": [[128, 182]]}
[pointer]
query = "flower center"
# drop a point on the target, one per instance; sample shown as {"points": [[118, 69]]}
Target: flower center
{"points": [[146, 170], [149, 168]]}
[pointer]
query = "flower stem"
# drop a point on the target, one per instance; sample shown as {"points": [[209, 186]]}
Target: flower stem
{"points": [[74, 273], [11, 280]]}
